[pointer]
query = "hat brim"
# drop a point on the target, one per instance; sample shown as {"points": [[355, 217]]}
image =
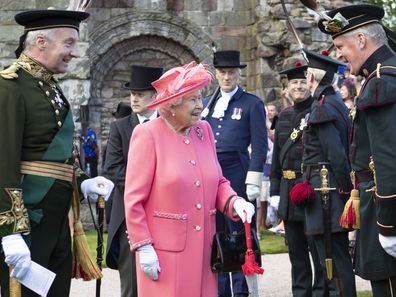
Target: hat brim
{"points": [[230, 66], [128, 86], [185, 91]]}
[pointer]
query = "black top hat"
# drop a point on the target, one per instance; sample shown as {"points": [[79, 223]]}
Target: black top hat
{"points": [[123, 110], [297, 72], [142, 77], [227, 59], [34, 20]]}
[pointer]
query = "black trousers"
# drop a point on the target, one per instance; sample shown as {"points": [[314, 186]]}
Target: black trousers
{"points": [[300, 246], [50, 242], [384, 288]]}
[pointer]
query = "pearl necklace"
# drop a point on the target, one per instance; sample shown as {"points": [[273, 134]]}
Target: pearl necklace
{"points": [[184, 133]]}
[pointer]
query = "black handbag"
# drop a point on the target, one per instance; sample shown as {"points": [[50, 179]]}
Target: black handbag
{"points": [[228, 249]]}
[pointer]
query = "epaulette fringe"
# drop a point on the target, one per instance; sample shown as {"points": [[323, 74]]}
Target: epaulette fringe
{"points": [[11, 71]]}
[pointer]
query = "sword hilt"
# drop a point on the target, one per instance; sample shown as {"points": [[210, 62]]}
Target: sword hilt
{"points": [[101, 199], [324, 189]]}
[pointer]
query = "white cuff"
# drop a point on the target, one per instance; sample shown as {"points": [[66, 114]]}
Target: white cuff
{"points": [[254, 178]]}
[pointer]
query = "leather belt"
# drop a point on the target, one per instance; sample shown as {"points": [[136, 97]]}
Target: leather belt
{"points": [[48, 169], [363, 176], [291, 174], [317, 167]]}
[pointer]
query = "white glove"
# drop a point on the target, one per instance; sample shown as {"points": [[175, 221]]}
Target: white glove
{"points": [[99, 185], [388, 243], [149, 261], [16, 254], [241, 206], [274, 201], [252, 191]]}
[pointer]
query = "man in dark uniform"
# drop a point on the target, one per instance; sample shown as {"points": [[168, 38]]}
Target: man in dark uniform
{"points": [[237, 119], [36, 167], [360, 39], [285, 173], [326, 169], [118, 252]]}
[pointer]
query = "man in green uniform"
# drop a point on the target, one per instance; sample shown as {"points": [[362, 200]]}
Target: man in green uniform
{"points": [[361, 40], [36, 163], [285, 173]]}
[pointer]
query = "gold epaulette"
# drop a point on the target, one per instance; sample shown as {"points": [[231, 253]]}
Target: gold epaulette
{"points": [[11, 71]]}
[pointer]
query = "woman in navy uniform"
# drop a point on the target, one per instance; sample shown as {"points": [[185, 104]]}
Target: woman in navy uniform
{"points": [[369, 48], [237, 119], [285, 173], [326, 165]]}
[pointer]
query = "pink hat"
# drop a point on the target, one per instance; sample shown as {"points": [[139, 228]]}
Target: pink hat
{"points": [[180, 81]]}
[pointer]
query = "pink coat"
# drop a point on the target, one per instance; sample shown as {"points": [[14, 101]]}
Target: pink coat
{"points": [[173, 187]]}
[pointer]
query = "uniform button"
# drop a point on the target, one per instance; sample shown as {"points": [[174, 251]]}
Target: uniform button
{"points": [[217, 133], [215, 140], [198, 205], [41, 83], [47, 93], [198, 183], [198, 228], [59, 123], [53, 102], [219, 126], [15, 192], [193, 162], [57, 111], [187, 141], [221, 119]]}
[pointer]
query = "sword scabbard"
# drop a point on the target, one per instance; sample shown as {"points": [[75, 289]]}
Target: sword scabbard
{"points": [[329, 268]]}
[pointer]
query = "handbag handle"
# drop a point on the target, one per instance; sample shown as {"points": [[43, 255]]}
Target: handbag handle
{"points": [[225, 210]]}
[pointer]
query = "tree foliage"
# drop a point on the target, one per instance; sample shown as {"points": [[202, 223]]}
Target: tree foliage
{"points": [[390, 12]]}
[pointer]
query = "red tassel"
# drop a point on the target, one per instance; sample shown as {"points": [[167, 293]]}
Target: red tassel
{"points": [[250, 266], [302, 194]]}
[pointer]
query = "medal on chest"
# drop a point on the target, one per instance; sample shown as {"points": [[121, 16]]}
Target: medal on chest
{"points": [[236, 113]]}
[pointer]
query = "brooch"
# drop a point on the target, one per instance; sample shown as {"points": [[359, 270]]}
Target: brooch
{"points": [[236, 114], [199, 133]]}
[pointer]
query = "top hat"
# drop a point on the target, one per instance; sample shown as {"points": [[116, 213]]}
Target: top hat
{"points": [[227, 59], [180, 81], [142, 77], [297, 72], [123, 110], [33, 20]]}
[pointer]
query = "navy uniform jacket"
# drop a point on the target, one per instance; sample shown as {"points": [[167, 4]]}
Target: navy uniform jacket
{"points": [[374, 135], [288, 120], [326, 139], [232, 135]]}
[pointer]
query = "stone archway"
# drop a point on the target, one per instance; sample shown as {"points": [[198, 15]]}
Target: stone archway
{"points": [[152, 39]]}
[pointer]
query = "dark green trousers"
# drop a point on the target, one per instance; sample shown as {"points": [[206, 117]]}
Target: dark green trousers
{"points": [[50, 242]]}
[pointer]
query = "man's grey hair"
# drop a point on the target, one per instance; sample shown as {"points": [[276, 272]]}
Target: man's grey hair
{"points": [[318, 74], [374, 31], [32, 36]]}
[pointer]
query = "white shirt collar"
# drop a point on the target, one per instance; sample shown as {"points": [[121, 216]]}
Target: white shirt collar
{"points": [[152, 117]]}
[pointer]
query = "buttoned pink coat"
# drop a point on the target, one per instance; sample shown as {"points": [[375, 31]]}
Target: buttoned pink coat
{"points": [[173, 187]]}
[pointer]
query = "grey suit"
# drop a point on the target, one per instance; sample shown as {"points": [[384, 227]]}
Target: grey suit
{"points": [[118, 254]]}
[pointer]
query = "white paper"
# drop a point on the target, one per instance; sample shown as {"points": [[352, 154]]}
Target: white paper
{"points": [[38, 279]]}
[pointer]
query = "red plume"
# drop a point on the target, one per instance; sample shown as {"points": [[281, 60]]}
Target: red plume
{"points": [[325, 52], [298, 64]]}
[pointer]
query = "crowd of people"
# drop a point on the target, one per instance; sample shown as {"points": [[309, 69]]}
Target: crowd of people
{"points": [[179, 167]]}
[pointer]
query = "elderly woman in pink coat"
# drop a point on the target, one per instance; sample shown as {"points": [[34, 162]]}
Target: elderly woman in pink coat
{"points": [[174, 186]]}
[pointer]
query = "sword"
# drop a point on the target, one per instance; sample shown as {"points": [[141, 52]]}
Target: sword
{"points": [[293, 30], [324, 191], [15, 286]]}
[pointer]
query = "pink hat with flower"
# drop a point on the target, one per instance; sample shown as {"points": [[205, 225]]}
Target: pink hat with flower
{"points": [[180, 81]]}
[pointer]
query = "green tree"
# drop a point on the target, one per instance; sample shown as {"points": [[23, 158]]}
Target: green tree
{"points": [[390, 12]]}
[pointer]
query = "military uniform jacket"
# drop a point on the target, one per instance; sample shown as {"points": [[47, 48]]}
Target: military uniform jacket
{"points": [[374, 135], [32, 111], [115, 169], [326, 140], [235, 134], [288, 120]]}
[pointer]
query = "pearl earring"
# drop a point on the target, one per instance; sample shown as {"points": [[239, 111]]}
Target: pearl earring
{"points": [[173, 114]]}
